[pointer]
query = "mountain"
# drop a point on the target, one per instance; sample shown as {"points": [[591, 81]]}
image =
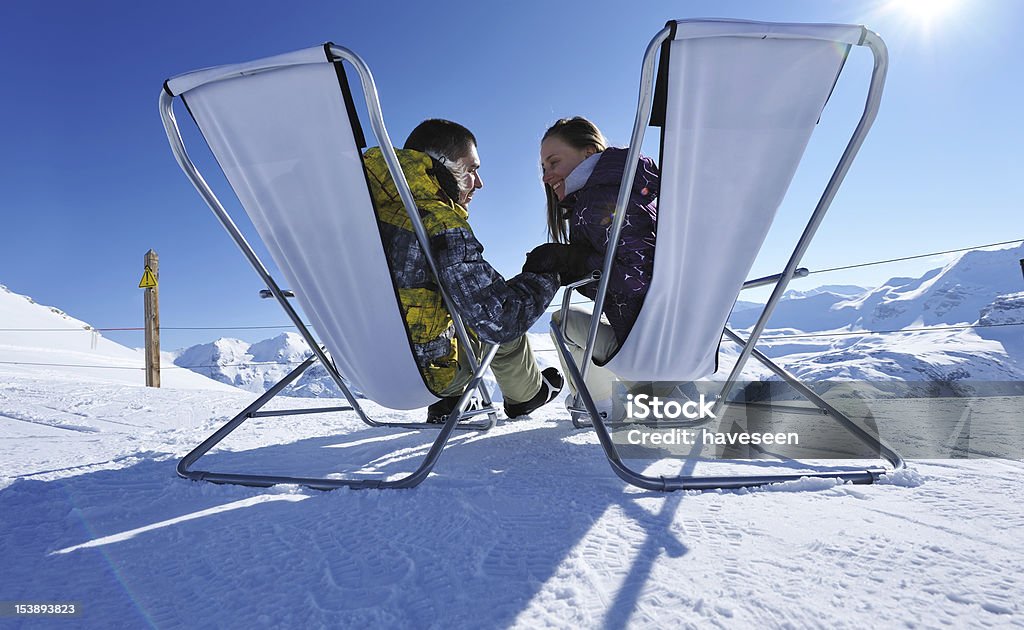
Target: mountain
{"points": [[849, 290], [954, 294], [932, 355], [980, 287], [806, 312], [256, 367]]}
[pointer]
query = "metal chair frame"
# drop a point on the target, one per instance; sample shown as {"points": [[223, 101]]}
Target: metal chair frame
{"points": [[584, 405], [457, 420]]}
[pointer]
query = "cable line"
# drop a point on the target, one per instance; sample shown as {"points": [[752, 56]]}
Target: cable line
{"points": [[77, 365], [891, 260]]}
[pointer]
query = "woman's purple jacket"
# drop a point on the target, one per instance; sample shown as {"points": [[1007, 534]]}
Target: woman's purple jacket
{"points": [[590, 211]]}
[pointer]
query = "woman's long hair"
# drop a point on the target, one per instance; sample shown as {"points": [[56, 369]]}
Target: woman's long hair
{"points": [[579, 133]]}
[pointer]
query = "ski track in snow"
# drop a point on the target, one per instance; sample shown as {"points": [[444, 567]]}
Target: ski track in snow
{"points": [[524, 526]]}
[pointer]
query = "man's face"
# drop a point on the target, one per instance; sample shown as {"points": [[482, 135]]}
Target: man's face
{"points": [[470, 165]]}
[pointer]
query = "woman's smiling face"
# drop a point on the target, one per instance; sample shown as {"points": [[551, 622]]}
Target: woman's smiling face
{"points": [[557, 160]]}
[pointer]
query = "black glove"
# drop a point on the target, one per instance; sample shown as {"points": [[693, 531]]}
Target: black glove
{"points": [[568, 261]]}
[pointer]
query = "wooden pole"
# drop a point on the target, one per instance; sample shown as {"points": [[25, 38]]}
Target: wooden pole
{"points": [[152, 315]]}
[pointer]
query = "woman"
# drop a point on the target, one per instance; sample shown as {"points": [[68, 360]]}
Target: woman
{"points": [[582, 177]]}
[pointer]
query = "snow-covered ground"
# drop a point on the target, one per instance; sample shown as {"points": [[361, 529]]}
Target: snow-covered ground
{"points": [[523, 526]]}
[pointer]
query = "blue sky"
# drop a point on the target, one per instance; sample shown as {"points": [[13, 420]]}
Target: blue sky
{"points": [[89, 184]]}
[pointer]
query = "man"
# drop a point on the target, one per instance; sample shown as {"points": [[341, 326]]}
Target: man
{"points": [[441, 164]]}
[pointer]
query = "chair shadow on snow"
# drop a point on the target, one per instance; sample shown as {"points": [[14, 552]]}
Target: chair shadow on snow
{"points": [[471, 546]]}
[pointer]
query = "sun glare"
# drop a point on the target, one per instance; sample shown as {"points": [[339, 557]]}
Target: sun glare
{"points": [[923, 10], [926, 17]]}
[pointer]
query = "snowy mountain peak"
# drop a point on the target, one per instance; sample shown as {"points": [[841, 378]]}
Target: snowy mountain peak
{"points": [[1006, 309], [844, 290], [286, 347], [221, 352], [256, 367], [21, 311], [954, 294]]}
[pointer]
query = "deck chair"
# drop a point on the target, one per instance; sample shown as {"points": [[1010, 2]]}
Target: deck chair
{"points": [[284, 130], [736, 102]]}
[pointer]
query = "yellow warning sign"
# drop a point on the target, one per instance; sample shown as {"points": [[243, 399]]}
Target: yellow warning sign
{"points": [[148, 279]]}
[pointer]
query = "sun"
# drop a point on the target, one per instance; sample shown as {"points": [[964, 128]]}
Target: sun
{"points": [[927, 11], [926, 17]]}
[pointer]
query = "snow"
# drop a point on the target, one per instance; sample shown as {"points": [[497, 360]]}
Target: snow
{"points": [[522, 526], [32, 336], [253, 367], [852, 336], [847, 290], [953, 294]]}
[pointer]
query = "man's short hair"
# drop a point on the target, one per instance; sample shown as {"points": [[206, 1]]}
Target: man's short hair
{"points": [[444, 137]]}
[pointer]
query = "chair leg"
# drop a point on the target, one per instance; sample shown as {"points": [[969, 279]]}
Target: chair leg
{"points": [[693, 482], [409, 481], [888, 453]]}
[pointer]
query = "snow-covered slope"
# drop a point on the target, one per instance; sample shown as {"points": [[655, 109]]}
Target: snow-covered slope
{"points": [[806, 312], [954, 294], [44, 340], [848, 290], [525, 526], [935, 355], [980, 287], [1005, 310]]}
